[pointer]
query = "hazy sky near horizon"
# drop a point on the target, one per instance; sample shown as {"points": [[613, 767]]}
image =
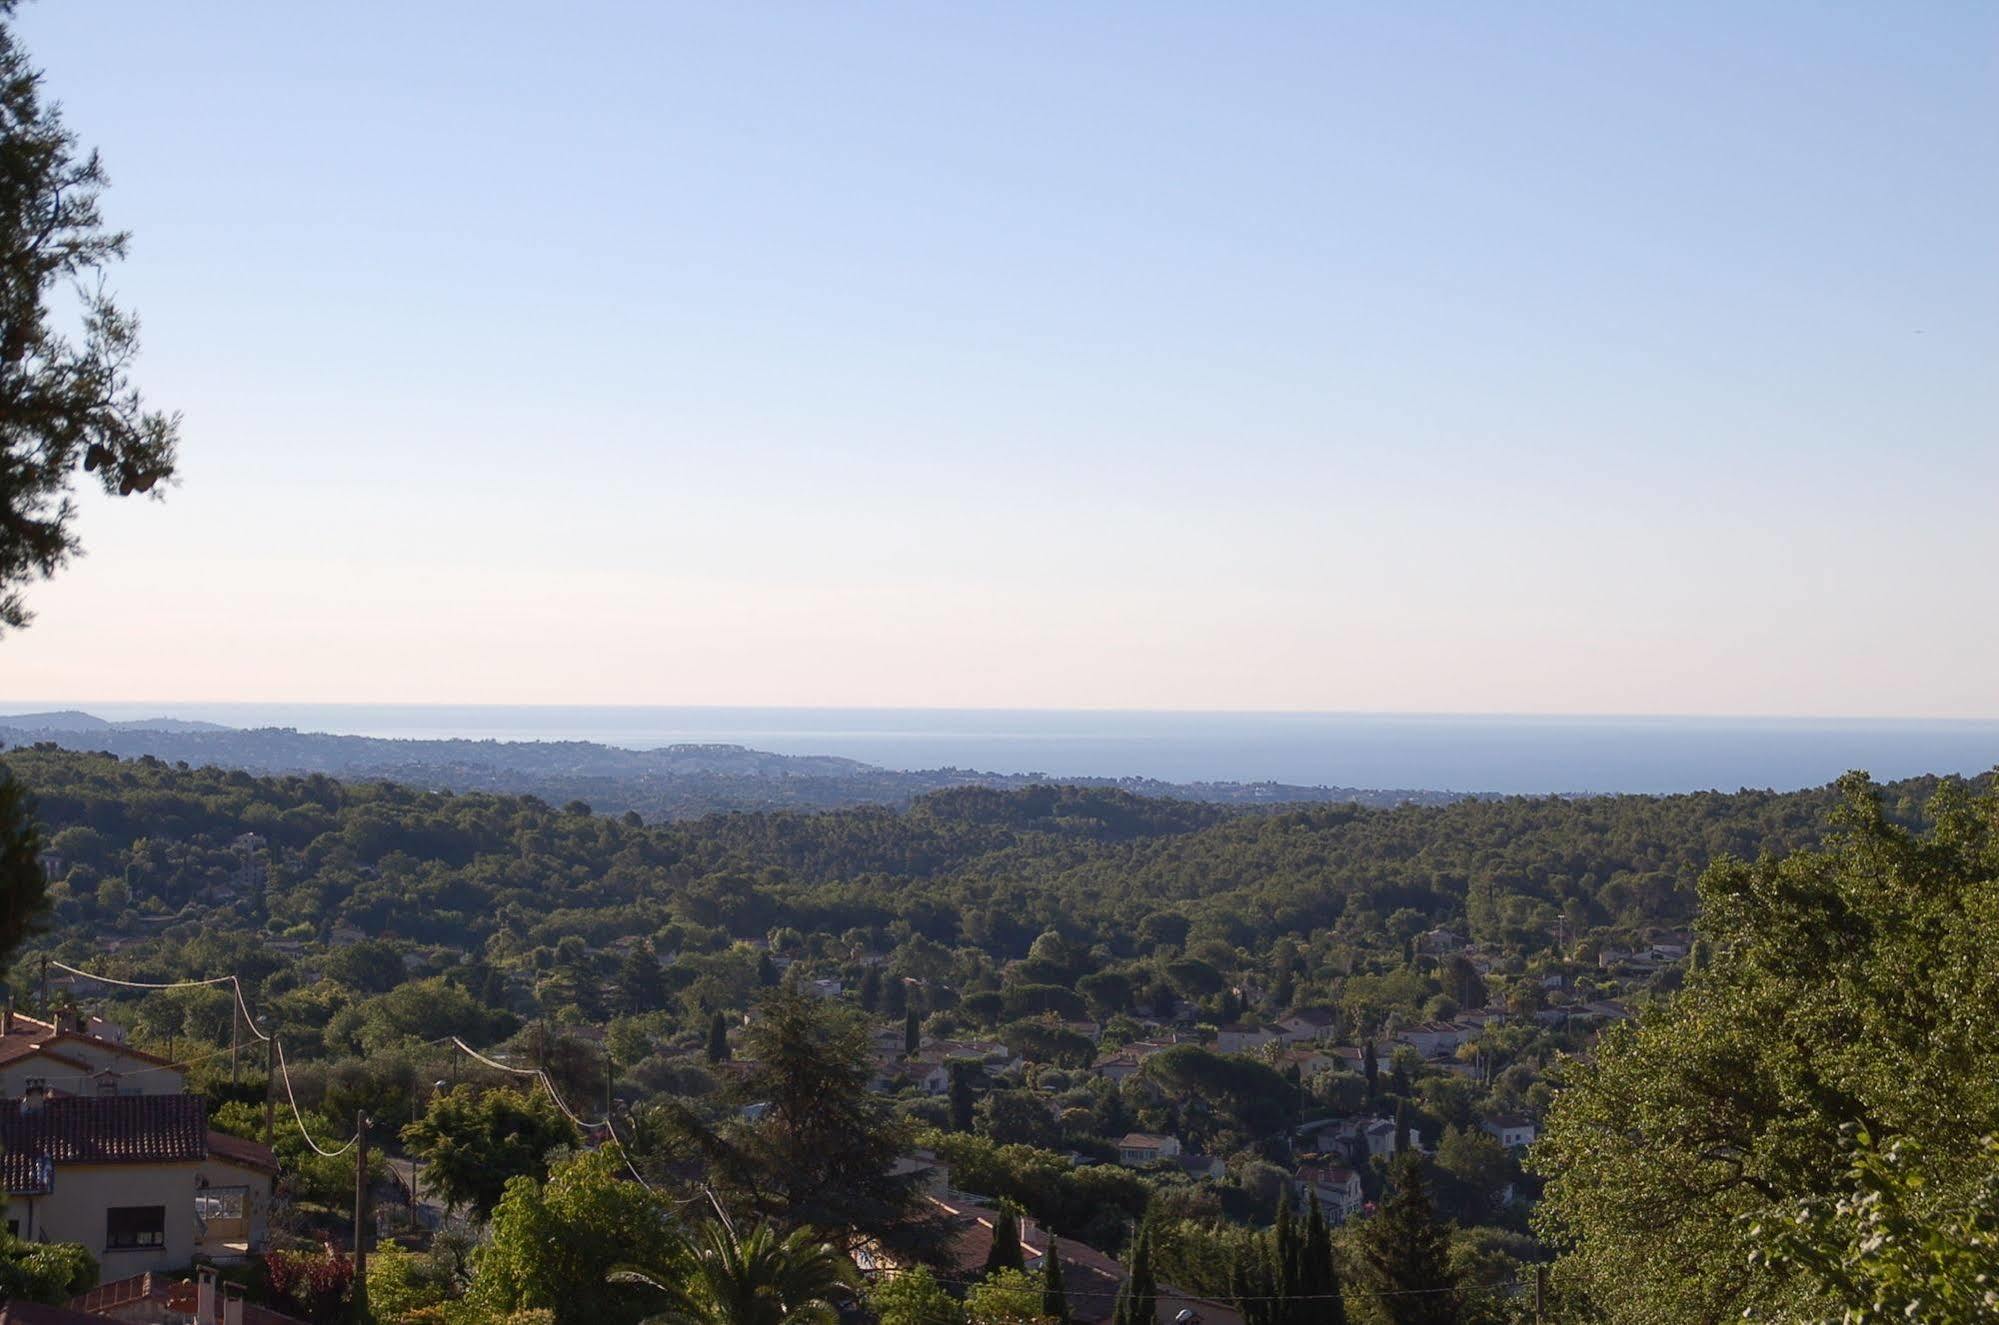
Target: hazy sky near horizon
{"points": [[1522, 358]]}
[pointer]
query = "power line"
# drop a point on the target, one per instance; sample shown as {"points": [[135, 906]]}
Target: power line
{"points": [[285, 1072], [236, 986]]}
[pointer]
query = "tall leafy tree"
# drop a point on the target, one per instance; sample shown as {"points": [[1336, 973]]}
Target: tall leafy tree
{"points": [[641, 982], [1850, 985], [66, 397], [474, 1142], [1404, 1254], [1010, 1297], [554, 1244], [822, 1151], [718, 1038], [913, 1297]]}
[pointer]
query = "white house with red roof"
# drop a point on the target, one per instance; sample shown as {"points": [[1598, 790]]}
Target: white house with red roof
{"points": [[139, 1180], [75, 1056]]}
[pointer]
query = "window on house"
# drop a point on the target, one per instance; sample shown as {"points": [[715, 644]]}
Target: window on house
{"points": [[130, 1226], [220, 1202]]}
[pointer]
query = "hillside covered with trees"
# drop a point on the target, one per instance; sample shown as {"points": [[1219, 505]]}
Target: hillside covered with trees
{"points": [[1021, 983]]}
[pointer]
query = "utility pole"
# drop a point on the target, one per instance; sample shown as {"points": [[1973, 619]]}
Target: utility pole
{"points": [[235, 1042], [45, 990], [360, 1215], [270, 1084], [1540, 1293], [610, 1078]]}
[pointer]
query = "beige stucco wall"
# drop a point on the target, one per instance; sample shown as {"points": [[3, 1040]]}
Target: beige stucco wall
{"points": [[75, 1210], [66, 1077]]}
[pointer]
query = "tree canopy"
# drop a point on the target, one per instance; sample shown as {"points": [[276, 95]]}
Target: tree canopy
{"points": [[1850, 986]]}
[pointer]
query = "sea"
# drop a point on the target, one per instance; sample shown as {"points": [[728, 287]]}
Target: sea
{"points": [[1445, 752]]}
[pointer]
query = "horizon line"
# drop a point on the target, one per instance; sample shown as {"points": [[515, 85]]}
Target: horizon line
{"points": [[28, 707]]}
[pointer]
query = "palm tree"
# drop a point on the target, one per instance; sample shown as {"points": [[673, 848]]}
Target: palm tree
{"points": [[720, 1277]]}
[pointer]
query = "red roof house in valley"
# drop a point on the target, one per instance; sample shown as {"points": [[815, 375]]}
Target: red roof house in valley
{"points": [[139, 1180]]}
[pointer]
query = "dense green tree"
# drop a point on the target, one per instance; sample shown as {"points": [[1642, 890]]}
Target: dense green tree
{"points": [[718, 1038], [1900, 1243], [913, 1297], [1010, 1297], [554, 1244], [822, 1153], [66, 397], [1404, 1254], [369, 967], [1848, 985], [47, 1272], [1017, 1117], [473, 1143], [641, 982]]}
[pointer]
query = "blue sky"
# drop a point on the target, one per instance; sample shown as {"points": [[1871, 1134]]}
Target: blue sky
{"points": [[1523, 358]]}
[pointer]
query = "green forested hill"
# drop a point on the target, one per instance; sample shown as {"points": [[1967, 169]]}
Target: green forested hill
{"points": [[970, 866]]}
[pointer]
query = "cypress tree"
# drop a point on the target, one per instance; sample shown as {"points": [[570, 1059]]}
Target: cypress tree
{"points": [[718, 1038], [1371, 1069], [912, 1032], [1284, 1250], [1138, 1298], [1054, 1298], [1401, 1127], [1319, 1281], [1004, 1254], [871, 989]]}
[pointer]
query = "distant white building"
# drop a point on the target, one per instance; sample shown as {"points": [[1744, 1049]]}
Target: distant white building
{"points": [[1512, 1130], [1137, 1149]]}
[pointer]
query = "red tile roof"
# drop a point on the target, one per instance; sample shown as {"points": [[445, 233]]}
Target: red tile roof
{"points": [[131, 1129], [221, 1145], [30, 1036]]}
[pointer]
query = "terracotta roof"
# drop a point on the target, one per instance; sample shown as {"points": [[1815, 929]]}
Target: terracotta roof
{"points": [[250, 1154], [36, 1037], [132, 1129]]}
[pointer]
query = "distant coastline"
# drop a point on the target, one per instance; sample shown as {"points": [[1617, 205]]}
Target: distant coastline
{"points": [[1496, 754]]}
